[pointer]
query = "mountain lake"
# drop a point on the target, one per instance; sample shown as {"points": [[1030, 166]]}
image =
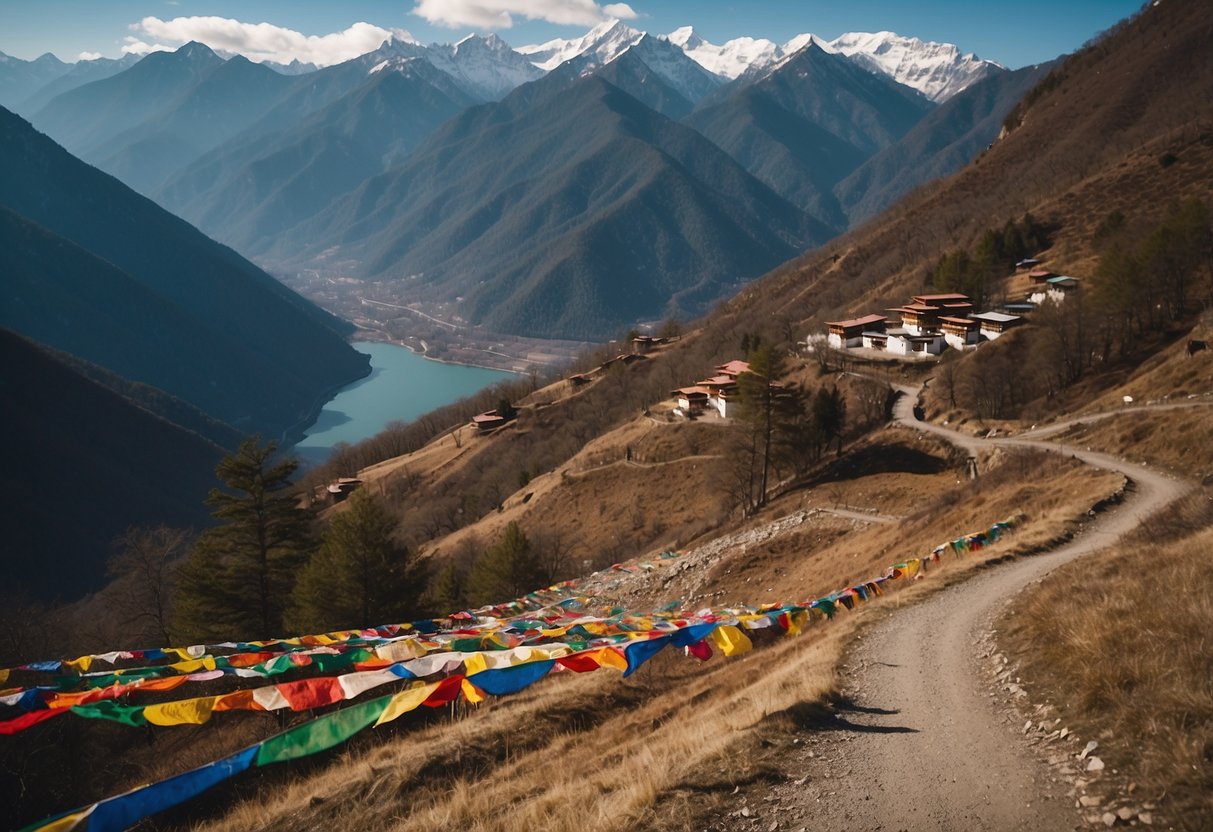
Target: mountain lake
{"points": [[402, 386]]}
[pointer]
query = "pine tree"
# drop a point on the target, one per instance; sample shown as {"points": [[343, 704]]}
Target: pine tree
{"points": [[508, 570], [238, 577], [360, 577]]}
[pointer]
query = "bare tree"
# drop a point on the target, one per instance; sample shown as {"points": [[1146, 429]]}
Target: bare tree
{"points": [[142, 571]]}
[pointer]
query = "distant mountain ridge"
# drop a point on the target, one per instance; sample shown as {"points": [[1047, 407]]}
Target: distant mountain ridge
{"points": [[294, 169]]}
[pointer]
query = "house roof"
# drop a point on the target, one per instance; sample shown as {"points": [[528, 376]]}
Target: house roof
{"points": [[918, 307], [487, 418], [965, 322], [860, 322], [1062, 280], [735, 367], [1027, 261], [1040, 273], [995, 317], [943, 297], [692, 391], [717, 380]]}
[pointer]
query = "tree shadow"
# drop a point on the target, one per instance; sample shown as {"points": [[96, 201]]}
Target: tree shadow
{"points": [[828, 716]]}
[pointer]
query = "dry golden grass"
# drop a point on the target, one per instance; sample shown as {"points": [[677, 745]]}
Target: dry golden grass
{"points": [[1120, 644], [1179, 441], [663, 749]]}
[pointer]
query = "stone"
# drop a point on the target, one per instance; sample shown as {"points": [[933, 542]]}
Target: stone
{"points": [[1088, 801], [1146, 818], [1027, 726], [1125, 813], [745, 811], [1108, 819], [1095, 764], [1091, 746]]}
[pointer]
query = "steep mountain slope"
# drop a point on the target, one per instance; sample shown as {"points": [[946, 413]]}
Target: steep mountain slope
{"points": [[808, 124], [563, 216], [943, 142], [937, 70], [250, 190], [20, 79], [1121, 125], [79, 464], [89, 261]]}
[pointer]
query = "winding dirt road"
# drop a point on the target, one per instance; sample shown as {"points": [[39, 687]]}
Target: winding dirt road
{"points": [[923, 744]]}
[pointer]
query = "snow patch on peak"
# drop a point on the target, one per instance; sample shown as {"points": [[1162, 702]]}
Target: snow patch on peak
{"points": [[728, 60], [937, 70]]}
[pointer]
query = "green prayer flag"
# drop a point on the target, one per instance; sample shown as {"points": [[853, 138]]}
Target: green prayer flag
{"points": [[319, 734], [109, 709]]}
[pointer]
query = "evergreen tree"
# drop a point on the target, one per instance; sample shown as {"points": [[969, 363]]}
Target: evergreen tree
{"points": [[448, 592], [238, 577], [360, 577], [508, 570]]}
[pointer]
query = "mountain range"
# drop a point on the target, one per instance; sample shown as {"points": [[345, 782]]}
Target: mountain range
{"points": [[447, 174]]}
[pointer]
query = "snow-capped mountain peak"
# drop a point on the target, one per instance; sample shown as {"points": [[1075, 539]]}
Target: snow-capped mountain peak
{"points": [[937, 70], [739, 56], [601, 45], [483, 67]]}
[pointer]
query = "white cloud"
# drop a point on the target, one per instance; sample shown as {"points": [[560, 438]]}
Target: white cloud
{"points": [[134, 46], [620, 11], [262, 41], [89, 56], [499, 14]]}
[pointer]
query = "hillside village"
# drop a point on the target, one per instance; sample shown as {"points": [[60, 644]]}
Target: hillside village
{"points": [[932, 323]]}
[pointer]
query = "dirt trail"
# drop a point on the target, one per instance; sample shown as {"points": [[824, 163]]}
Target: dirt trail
{"points": [[923, 744]]}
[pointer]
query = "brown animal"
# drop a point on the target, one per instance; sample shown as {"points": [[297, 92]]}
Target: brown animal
{"points": [[1195, 347]]}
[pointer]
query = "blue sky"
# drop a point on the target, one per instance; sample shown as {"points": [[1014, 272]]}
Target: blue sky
{"points": [[1012, 33]]}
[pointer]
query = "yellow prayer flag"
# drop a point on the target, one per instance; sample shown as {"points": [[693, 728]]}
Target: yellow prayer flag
{"points": [[406, 701], [474, 663], [471, 692], [606, 657], [81, 664], [194, 665], [730, 640], [183, 712]]}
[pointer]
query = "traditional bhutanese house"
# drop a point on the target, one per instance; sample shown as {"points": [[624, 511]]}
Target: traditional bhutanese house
{"points": [[843, 334], [487, 421], [1040, 275], [692, 399], [919, 318], [903, 342], [578, 379], [722, 391], [1054, 289], [994, 324], [1021, 308], [960, 332], [875, 340], [734, 368], [641, 344], [1027, 263]]}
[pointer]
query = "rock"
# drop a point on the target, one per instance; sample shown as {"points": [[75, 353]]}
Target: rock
{"points": [[1027, 726], [1065, 732], [1146, 818], [1088, 801], [774, 825], [1095, 764], [1091, 746], [801, 781], [1125, 813], [1108, 819], [745, 811]]}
